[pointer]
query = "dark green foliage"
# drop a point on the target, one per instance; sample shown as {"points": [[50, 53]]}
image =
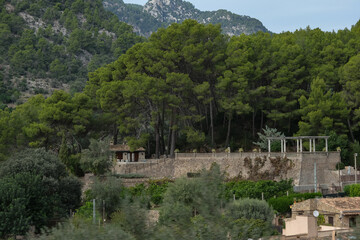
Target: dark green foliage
{"points": [[13, 203], [132, 218], [189, 86], [97, 159], [85, 213], [185, 72], [191, 209], [51, 53], [86, 231], [250, 209], [352, 190], [156, 190], [282, 204], [37, 181], [340, 166], [250, 229], [153, 191], [251, 189], [109, 191], [195, 196], [194, 209]]}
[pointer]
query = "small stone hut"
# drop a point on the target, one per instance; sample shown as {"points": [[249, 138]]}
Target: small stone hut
{"points": [[123, 153]]}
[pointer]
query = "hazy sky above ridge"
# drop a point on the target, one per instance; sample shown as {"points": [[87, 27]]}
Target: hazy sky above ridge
{"points": [[288, 15]]}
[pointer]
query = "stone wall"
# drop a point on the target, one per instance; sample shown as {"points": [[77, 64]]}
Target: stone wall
{"points": [[254, 166], [325, 162]]}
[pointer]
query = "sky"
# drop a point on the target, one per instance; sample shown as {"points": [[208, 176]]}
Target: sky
{"points": [[288, 15]]}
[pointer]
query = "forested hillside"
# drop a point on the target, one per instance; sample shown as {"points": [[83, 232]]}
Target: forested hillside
{"points": [[47, 45], [161, 13], [191, 87]]}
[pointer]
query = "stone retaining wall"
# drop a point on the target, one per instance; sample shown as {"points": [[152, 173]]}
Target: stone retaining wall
{"points": [[255, 166]]}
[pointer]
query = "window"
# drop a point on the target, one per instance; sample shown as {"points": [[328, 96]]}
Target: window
{"points": [[352, 222], [331, 221]]}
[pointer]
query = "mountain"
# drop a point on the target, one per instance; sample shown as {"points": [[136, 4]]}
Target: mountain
{"points": [[47, 45], [157, 13]]}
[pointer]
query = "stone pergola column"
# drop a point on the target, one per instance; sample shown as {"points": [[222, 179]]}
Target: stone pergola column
{"points": [[301, 145], [269, 145], [326, 144], [297, 145], [314, 148], [310, 144], [284, 145]]}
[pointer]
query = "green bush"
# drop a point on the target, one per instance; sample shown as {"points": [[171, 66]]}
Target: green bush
{"points": [[97, 159], [282, 204], [109, 191], [250, 209], [320, 220], [132, 218], [157, 189], [340, 165], [188, 197], [250, 229], [35, 188], [85, 230], [251, 189], [352, 190]]}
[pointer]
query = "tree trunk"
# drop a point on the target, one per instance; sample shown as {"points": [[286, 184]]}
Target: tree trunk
{"points": [[253, 123], [289, 125], [157, 138], [170, 133], [228, 132], [262, 120], [211, 125], [207, 120], [115, 134], [173, 142], [350, 130], [162, 126]]}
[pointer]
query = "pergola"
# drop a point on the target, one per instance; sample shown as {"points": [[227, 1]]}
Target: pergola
{"points": [[299, 141]]}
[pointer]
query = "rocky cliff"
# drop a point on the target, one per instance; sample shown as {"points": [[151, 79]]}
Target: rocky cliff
{"points": [[156, 13]]}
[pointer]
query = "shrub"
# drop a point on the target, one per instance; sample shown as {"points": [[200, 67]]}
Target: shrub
{"points": [[340, 165], [282, 204], [193, 196], [109, 190], [131, 218], [97, 159], [85, 214], [251, 189], [250, 229], [34, 188], [352, 190], [85, 230], [157, 189], [250, 209]]}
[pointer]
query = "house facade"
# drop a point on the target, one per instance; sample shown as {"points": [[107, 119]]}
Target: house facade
{"points": [[337, 212], [123, 153]]}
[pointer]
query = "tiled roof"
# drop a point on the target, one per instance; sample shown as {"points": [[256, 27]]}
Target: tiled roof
{"points": [[124, 148], [342, 204]]}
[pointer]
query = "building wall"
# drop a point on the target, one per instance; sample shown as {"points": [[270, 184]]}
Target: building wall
{"points": [[308, 206], [254, 166], [324, 161], [301, 225]]}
